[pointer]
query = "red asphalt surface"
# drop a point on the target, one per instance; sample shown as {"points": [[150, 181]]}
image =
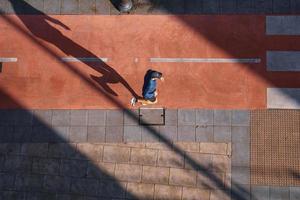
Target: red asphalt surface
{"points": [[40, 80]]}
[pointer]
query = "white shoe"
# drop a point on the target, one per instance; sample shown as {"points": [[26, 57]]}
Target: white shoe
{"points": [[133, 101]]}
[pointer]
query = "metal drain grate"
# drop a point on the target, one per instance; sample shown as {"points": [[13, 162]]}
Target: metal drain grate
{"points": [[275, 147]]}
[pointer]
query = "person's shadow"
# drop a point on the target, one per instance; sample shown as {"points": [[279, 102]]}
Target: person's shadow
{"points": [[39, 25]]}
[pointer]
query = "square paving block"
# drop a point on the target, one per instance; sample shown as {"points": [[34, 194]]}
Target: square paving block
{"points": [[240, 154], [186, 117], [222, 117], [260, 192], [6, 134], [114, 118], [279, 193], [222, 133], [211, 7], [240, 134], [61, 117], [52, 6], [87, 6], [78, 134], [281, 6], [132, 134], [42, 117], [42, 134], [186, 133], [240, 118], [131, 117], [96, 134], [245, 6], [112, 189], [61, 133], [171, 118], [204, 117], [174, 6], [79, 117], [228, 7], [150, 134], [96, 117], [294, 193], [204, 134], [103, 7], [240, 175], [193, 7], [114, 133], [152, 116], [169, 132], [263, 7], [57, 184], [6, 181], [70, 7], [7, 117], [23, 117], [37, 4]]}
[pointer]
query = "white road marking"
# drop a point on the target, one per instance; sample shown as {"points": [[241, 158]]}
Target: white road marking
{"points": [[8, 60], [207, 60], [83, 59]]}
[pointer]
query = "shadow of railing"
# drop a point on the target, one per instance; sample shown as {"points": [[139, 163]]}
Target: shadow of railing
{"points": [[236, 192]]}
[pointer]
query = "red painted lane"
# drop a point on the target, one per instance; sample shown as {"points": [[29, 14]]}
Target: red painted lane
{"points": [[40, 80]]}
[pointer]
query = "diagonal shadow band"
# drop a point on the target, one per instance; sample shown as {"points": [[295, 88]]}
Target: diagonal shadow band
{"points": [[235, 192]]}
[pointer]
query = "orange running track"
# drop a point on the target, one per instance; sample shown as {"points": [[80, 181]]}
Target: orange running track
{"points": [[40, 80]]}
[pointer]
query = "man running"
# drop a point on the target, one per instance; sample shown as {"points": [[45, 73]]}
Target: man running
{"points": [[149, 88]]}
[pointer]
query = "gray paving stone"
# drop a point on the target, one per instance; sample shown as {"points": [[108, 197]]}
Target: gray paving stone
{"points": [[52, 6], [131, 120], [34, 149], [240, 118], [73, 168], [6, 134], [245, 6], [282, 25], [42, 134], [61, 133], [279, 193], [23, 117], [222, 133], [61, 150], [284, 60], [204, 134], [37, 4], [96, 117], [114, 134], [295, 6], [42, 117], [283, 98], [79, 118], [281, 6], [22, 133], [263, 6], [57, 184], [3, 6], [87, 6], [240, 154], [240, 134], [69, 7], [151, 116], [260, 192], [7, 181], [45, 166], [70, 197], [294, 193], [96, 134], [132, 134], [112, 189], [78, 134], [211, 7], [228, 6], [7, 117], [194, 6], [244, 192], [174, 6], [186, 133], [150, 134], [13, 195], [29, 182], [222, 117], [114, 118], [204, 117], [103, 7], [169, 132], [143, 7], [40, 195], [186, 117], [61, 117], [240, 175], [10, 149], [171, 118], [17, 164], [84, 186]]}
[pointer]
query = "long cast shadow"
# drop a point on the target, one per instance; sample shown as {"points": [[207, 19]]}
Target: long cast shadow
{"points": [[236, 192]]}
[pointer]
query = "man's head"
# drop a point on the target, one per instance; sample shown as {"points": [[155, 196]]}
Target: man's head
{"points": [[156, 75]]}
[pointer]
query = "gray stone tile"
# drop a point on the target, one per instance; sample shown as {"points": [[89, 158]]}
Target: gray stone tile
{"points": [[204, 117], [34, 149], [294, 193], [222, 117], [260, 192], [23, 117], [112, 189], [13, 195], [52, 6], [29, 182], [37, 4], [244, 192], [174, 6], [204, 134], [169, 132], [69, 7], [96, 117], [211, 7], [151, 116], [240, 134], [150, 134], [22, 134], [295, 6], [6, 181], [70, 197], [6, 134], [10, 149], [245, 6], [102, 7], [132, 134], [263, 6], [194, 6], [114, 134], [228, 6], [131, 117], [186, 117], [61, 150], [114, 118], [281, 7], [7, 117], [87, 6], [40, 195], [79, 118], [186, 133], [279, 193], [222, 133], [240, 118], [171, 117], [61, 133], [240, 175], [61, 117], [57, 184], [42, 134], [283, 98], [85, 186], [240, 154], [45, 166], [78, 134], [96, 134], [42, 117], [3, 6], [73, 168]]}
